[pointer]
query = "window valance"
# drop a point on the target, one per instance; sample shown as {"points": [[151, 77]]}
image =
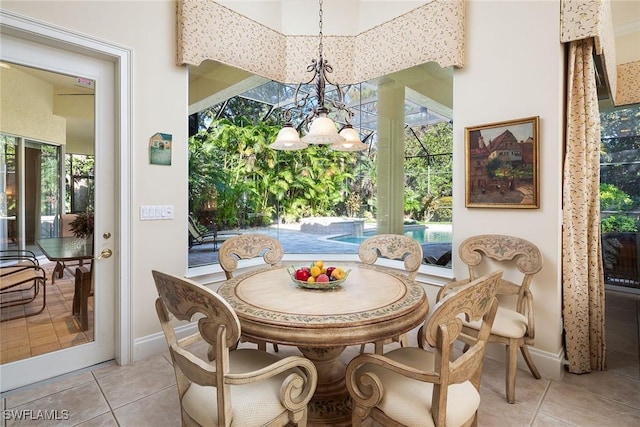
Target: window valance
{"points": [[433, 32], [581, 19]]}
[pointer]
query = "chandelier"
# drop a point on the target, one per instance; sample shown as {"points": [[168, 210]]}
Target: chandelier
{"points": [[320, 129]]}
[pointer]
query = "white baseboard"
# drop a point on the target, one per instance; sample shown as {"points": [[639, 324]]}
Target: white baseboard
{"points": [[550, 365], [155, 344]]}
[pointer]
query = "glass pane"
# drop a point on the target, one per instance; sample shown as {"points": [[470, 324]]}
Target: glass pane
{"points": [[49, 189], [620, 195], [9, 196], [79, 183], [315, 200]]}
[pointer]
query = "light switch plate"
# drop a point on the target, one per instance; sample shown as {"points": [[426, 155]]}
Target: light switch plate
{"points": [[156, 212]]}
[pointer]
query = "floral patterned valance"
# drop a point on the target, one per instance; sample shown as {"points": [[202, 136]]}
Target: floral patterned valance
{"points": [[580, 19], [433, 32]]}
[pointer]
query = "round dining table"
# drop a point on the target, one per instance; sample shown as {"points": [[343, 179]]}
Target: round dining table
{"points": [[373, 304]]}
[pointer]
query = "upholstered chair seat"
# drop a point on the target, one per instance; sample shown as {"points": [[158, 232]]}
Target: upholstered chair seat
{"points": [[508, 323], [439, 386], [409, 402], [254, 403]]}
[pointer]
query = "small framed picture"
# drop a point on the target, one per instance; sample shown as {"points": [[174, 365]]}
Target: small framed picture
{"points": [[501, 165], [160, 149]]}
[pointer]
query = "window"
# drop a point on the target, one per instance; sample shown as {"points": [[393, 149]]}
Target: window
{"points": [[317, 200], [620, 195], [79, 181]]}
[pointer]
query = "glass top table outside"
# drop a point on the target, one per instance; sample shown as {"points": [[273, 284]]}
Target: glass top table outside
{"points": [[66, 248]]}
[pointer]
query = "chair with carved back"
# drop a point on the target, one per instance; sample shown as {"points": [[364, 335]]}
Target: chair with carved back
{"points": [[412, 386], [241, 387], [248, 246], [515, 324], [394, 247]]}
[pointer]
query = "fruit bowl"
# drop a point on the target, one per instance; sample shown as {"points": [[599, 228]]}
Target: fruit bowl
{"points": [[316, 285]]}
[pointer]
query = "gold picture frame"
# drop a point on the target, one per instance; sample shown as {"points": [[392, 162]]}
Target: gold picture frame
{"points": [[501, 164]]}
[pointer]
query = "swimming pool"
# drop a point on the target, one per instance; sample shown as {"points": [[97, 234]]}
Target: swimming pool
{"points": [[422, 235]]}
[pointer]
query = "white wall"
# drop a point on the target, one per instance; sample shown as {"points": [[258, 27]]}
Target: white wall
{"points": [[27, 100], [509, 73]]}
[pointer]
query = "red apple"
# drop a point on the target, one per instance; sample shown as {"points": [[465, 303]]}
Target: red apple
{"points": [[302, 274]]}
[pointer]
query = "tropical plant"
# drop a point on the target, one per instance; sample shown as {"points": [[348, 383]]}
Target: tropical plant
{"points": [[82, 225], [613, 203], [234, 173]]}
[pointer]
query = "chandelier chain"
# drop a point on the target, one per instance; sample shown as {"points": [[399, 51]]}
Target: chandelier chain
{"points": [[320, 26]]}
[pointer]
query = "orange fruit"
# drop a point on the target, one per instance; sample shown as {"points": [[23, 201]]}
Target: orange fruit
{"points": [[319, 264], [311, 279]]}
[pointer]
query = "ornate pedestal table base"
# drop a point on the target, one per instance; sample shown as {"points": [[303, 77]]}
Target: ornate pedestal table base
{"points": [[331, 404]]}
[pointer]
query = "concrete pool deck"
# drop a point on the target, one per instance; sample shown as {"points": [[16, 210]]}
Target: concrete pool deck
{"points": [[295, 241]]}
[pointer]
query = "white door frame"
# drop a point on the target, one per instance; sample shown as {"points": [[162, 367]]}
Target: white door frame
{"points": [[40, 32]]}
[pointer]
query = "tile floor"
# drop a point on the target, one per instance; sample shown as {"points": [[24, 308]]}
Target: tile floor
{"points": [[145, 394], [53, 329]]}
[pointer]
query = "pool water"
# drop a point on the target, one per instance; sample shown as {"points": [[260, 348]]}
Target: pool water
{"points": [[422, 235]]}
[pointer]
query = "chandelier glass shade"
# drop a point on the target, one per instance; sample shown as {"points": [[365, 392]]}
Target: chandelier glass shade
{"points": [[351, 140], [319, 127]]}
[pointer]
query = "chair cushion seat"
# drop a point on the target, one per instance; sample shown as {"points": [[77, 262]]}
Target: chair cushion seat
{"points": [[252, 404], [408, 401], [508, 323]]}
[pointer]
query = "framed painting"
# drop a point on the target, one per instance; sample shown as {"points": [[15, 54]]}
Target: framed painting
{"points": [[160, 149], [501, 165]]}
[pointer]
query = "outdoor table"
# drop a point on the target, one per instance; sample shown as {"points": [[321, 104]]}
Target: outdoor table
{"points": [[373, 304], [70, 249]]}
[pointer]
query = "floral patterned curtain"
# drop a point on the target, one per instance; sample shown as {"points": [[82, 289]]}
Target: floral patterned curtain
{"points": [[582, 281]]}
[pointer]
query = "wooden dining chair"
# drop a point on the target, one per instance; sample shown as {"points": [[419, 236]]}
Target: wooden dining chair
{"points": [[246, 387], [515, 324], [395, 247], [414, 387], [247, 246]]}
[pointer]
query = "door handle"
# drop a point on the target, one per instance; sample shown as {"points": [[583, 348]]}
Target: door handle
{"points": [[106, 253]]}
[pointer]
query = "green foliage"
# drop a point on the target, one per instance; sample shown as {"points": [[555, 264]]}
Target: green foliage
{"points": [[443, 212], [353, 205], [428, 169], [619, 222], [82, 225], [235, 171], [235, 174], [612, 198]]}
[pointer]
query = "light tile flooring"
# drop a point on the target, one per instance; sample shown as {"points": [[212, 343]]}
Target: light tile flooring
{"points": [[53, 329], [144, 394]]}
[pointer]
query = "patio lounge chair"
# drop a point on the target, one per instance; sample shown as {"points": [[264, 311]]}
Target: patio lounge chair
{"points": [[196, 237], [21, 280]]}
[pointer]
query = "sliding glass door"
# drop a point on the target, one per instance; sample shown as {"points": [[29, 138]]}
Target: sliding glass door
{"points": [[32, 192]]}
